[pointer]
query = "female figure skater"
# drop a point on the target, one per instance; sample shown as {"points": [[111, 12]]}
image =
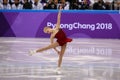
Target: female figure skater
{"points": [[61, 40]]}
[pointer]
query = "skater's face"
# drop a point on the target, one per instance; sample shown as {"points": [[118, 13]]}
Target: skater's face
{"points": [[48, 30]]}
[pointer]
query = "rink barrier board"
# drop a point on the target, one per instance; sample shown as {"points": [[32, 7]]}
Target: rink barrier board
{"points": [[76, 23]]}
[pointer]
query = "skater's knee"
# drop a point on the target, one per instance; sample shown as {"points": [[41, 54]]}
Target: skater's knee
{"points": [[51, 46]]}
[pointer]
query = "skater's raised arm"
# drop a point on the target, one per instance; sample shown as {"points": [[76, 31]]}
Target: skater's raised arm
{"points": [[58, 18]]}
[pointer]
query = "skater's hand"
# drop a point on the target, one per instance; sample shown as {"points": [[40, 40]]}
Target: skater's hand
{"points": [[58, 52], [60, 7]]}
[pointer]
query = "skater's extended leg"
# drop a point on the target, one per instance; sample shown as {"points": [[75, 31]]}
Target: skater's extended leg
{"points": [[53, 45]]}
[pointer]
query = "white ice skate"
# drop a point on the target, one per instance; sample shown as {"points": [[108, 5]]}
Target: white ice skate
{"points": [[31, 52], [58, 71]]}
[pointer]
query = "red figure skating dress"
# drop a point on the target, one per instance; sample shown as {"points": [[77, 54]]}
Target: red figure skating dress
{"points": [[62, 38]]}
